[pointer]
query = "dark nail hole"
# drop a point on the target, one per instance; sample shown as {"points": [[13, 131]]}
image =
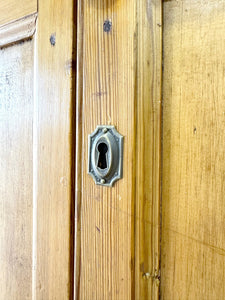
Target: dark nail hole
{"points": [[52, 39], [107, 26]]}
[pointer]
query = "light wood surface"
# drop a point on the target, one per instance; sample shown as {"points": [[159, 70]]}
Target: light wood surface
{"points": [[117, 245], [16, 161], [54, 199], [36, 154], [193, 211], [36, 151], [147, 132], [18, 30], [13, 10]]}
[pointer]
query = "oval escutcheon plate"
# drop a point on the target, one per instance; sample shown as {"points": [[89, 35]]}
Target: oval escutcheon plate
{"points": [[105, 151]]}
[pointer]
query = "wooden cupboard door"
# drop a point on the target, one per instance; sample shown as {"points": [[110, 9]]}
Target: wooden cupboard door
{"points": [[118, 83], [193, 207], [36, 150]]}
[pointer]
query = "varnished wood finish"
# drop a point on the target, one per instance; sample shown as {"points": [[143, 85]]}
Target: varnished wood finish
{"points": [[16, 168], [36, 181], [18, 30], [193, 211], [11, 10], [37, 145], [147, 107], [117, 246], [53, 275]]}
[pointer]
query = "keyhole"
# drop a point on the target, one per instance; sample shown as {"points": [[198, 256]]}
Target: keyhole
{"points": [[102, 161]]}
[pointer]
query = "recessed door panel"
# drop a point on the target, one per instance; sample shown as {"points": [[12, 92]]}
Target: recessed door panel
{"points": [[193, 202], [16, 170]]}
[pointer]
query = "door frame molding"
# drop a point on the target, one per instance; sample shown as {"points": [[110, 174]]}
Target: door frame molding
{"points": [[18, 30]]}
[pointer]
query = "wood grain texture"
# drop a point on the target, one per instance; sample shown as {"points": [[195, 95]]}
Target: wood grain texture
{"points": [[119, 84], [18, 30], [16, 168], [12, 10], [53, 269], [148, 153], [193, 214]]}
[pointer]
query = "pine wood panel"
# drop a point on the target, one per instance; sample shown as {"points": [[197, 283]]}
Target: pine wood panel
{"points": [[193, 214], [117, 245], [16, 161], [12, 10], [36, 149], [147, 107], [54, 199]]}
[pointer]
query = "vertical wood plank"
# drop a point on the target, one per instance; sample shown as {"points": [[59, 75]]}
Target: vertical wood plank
{"points": [[148, 139], [53, 277], [119, 74], [193, 214]]}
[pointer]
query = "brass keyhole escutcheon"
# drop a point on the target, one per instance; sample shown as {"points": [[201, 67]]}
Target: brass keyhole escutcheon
{"points": [[105, 155]]}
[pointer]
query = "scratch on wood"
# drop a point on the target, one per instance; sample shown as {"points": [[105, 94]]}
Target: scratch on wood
{"points": [[99, 94]]}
